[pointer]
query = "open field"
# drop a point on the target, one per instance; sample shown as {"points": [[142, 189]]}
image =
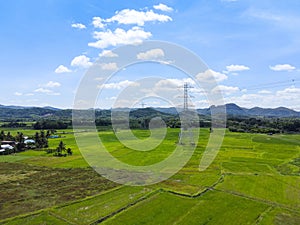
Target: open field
{"points": [[255, 179]]}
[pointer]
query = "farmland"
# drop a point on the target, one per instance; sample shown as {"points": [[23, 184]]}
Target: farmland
{"points": [[255, 179]]}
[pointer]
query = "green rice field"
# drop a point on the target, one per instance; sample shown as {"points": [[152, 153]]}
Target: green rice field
{"points": [[255, 179]]}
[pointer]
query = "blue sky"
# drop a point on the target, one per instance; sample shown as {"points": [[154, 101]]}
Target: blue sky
{"points": [[252, 47]]}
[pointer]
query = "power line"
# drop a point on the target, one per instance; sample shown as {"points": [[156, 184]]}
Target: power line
{"points": [[272, 84]]}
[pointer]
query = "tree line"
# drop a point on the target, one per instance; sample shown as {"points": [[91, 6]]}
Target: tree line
{"points": [[264, 125]]}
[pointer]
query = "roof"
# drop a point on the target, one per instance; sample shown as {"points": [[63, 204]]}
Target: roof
{"points": [[29, 141], [8, 142], [7, 147]]}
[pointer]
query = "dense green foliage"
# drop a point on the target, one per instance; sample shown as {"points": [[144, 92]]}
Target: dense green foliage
{"points": [[50, 125], [263, 125]]}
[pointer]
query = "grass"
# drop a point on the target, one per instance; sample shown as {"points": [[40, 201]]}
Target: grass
{"points": [[44, 218], [163, 208], [280, 216], [281, 190], [211, 208], [92, 209], [26, 188], [255, 179]]}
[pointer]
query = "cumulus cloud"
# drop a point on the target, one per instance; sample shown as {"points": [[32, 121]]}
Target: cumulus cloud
{"points": [[53, 93], [289, 93], [42, 90], [18, 94], [132, 16], [109, 66], [163, 7], [226, 90], [152, 54], [173, 83], [98, 22], [287, 97], [119, 36], [62, 69], [236, 68], [282, 67], [108, 54], [211, 76], [81, 61], [264, 92], [52, 84], [118, 85], [78, 26]]}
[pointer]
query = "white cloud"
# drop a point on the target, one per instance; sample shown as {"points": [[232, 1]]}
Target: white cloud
{"points": [[98, 22], [282, 67], [173, 83], [81, 61], [152, 54], [131, 16], [108, 54], [119, 85], [18, 94], [163, 7], [235, 68], [42, 90], [62, 69], [52, 84], [264, 92], [289, 93], [108, 38], [211, 76], [109, 66], [78, 26], [288, 97], [226, 90], [29, 94], [53, 93]]}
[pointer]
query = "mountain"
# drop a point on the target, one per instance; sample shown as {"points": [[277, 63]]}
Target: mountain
{"points": [[147, 112], [231, 109], [35, 113], [12, 107], [235, 110], [51, 108], [171, 110]]}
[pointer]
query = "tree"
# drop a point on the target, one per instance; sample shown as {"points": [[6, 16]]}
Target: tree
{"points": [[9, 137], [20, 139], [60, 149], [41, 140], [69, 151], [2, 135], [37, 140], [44, 140]]}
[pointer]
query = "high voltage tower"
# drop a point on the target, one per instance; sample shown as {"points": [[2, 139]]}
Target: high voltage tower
{"points": [[143, 105], [186, 96], [187, 134]]}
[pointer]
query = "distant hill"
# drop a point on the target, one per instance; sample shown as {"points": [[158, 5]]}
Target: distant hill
{"points": [[147, 112], [277, 112], [235, 110], [35, 113]]}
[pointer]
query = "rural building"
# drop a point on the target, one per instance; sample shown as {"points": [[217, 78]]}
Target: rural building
{"points": [[12, 143]]}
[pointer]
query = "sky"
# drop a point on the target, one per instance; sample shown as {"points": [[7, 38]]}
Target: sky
{"points": [[251, 47]]}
